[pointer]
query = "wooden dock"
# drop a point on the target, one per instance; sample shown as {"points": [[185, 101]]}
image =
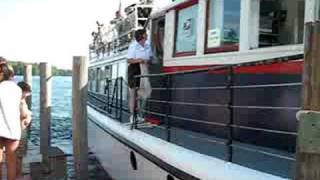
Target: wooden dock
{"points": [[49, 162]]}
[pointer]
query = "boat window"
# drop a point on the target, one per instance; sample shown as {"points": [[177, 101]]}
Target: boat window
{"points": [[186, 31], [169, 177], [223, 26], [107, 72], [91, 79], [114, 71], [143, 14], [122, 72], [281, 22], [157, 36]]}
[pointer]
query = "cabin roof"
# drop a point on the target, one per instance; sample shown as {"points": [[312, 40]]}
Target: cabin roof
{"points": [[164, 10]]}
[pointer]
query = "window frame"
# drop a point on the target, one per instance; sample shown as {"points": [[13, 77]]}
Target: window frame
{"points": [[221, 49], [177, 10]]}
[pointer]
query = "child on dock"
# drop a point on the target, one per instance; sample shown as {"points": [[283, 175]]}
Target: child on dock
{"points": [[25, 117], [25, 113]]}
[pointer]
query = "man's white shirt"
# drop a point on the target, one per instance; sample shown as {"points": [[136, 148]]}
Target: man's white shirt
{"points": [[136, 51]]}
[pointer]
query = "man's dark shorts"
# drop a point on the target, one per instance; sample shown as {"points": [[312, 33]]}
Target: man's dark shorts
{"points": [[133, 70]]}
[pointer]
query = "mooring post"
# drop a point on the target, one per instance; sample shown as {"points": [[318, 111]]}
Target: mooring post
{"points": [[45, 109], [28, 79], [79, 116], [308, 143]]}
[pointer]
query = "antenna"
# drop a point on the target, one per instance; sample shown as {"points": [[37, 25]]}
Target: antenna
{"points": [[120, 4]]}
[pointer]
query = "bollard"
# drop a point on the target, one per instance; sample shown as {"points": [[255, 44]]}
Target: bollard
{"points": [[28, 79], [79, 116], [308, 143], [45, 109]]}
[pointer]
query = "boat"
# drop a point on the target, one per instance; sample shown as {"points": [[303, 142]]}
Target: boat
{"points": [[226, 81]]}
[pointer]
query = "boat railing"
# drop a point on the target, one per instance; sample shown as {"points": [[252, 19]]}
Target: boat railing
{"points": [[166, 100], [113, 100]]}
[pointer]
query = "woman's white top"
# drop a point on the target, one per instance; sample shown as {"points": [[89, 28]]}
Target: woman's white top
{"points": [[10, 98]]}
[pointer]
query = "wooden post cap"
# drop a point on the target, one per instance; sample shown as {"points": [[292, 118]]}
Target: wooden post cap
{"points": [[309, 131]]}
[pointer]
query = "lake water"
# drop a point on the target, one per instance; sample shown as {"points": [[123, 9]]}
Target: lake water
{"points": [[61, 123]]}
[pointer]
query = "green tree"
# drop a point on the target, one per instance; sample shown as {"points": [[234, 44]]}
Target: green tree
{"points": [[19, 69]]}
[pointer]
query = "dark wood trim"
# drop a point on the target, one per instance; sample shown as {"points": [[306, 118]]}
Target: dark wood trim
{"points": [[181, 54], [177, 9], [289, 68], [184, 5], [207, 25], [224, 48], [152, 158], [221, 49]]}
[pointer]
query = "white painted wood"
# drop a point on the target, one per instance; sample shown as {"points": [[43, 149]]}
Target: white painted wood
{"points": [[169, 35], [312, 10], [249, 24], [28, 79], [201, 28], [202, 166], [115, 157], [79, 116], [237, 57], [111, 60]]}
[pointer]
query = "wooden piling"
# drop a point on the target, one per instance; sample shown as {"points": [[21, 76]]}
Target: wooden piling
{"points": [[45, 108], [28, 79], [308, 146], [79, 116]]}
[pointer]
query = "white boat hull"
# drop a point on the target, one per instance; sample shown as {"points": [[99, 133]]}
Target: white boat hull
{"points": [[112, 143], [114, 156]]}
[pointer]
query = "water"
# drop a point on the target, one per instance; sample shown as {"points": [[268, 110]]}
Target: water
{"points": [[61, 123], [61, 109]]}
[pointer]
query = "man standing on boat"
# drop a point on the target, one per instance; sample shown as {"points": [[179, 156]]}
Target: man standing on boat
{"points": [[139, 56]]}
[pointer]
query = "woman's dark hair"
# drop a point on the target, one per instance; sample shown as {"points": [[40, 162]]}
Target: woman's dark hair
{"points": [[25, 87], [3, 60], [138, 35], [7, 71]]}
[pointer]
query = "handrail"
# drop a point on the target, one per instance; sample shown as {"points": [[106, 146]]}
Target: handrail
{"points": [[229, 70], [167, 116]]}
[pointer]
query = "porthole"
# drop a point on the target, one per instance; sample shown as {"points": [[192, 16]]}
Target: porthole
{"points": [[169, 177], [133, 161]]}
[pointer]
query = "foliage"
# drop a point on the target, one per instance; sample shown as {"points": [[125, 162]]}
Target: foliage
{"points": [[19, 69]]}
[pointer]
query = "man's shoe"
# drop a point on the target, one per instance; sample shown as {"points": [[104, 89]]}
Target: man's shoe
{"points": [[140, 119], [131, 119]]}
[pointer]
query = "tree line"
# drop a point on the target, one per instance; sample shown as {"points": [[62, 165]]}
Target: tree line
{"points": [[19, 69]]}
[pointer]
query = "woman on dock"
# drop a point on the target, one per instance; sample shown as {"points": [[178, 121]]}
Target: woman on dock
{"points": [[10, 97]]}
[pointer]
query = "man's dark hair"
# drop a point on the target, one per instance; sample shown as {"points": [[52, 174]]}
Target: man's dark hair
{"points": [[138, 35], [24, 86], [7, 71]]}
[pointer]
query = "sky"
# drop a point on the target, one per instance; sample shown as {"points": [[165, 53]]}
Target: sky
{"points": [[52, 30]]}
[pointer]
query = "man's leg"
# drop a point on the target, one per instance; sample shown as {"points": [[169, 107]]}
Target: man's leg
{"points": [[141, 107], [132, 103]]}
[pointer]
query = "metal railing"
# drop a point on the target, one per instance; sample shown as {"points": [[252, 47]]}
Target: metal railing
{"points": [[229, 70], [112, 101], [112, 104]]}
